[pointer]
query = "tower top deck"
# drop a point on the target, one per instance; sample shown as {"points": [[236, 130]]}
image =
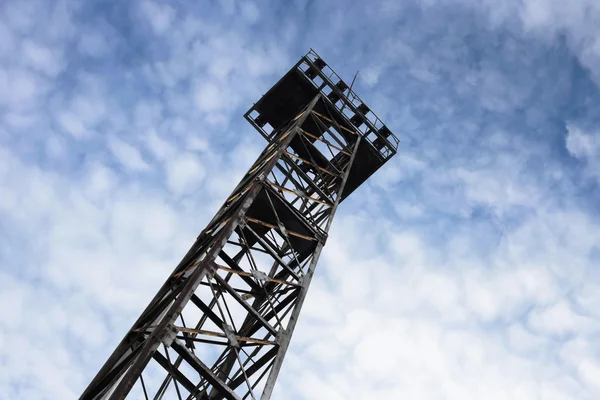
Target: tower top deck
{"points": [[339, 106]]}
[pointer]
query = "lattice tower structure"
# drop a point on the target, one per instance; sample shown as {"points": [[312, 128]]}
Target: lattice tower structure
{"points": [[220, 325]]}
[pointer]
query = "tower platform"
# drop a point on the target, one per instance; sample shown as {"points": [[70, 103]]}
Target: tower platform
{"points": [[339, 109]]}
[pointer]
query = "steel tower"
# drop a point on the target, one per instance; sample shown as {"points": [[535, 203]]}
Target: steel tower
{"points": [[220, 325]]}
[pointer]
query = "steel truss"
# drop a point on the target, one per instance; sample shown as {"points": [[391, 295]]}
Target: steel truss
{"points": [[220, 326]]}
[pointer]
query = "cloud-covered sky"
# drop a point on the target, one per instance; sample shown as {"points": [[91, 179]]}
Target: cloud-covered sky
{"points": [[467, 268]]}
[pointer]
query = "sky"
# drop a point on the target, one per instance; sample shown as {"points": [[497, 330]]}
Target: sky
{"points": [[466, 268]]}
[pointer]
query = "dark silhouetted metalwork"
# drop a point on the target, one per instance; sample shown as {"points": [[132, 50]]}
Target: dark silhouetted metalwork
{"points": [[220, 326]]}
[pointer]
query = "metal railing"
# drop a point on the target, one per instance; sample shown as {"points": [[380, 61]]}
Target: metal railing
{"points": [[349, 103]]}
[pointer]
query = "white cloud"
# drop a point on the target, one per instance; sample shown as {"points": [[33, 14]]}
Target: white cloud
{"points": [[72, 125], [161, 149], [197, 144], [184, 174], [521, 340], [228, 6], [406, 210], [20, 89], [590, 371], [55, 147], [21, 16], [80, 113], [7, 40], [155, 224], [370, 75], [20, 120], [250, 11], [160, 15], [582, 144], [127, 155], [42, 58], [585, 146], [548, 20], [93, 43], [209, 98], [88, 108], [148, 113], [101, 181], [559, 319]]}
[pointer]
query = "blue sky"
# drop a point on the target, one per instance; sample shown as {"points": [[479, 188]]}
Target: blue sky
{"points": [[465, 269]]}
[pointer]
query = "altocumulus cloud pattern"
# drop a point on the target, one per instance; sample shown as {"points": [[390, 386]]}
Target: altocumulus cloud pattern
{"points": [[121, 134]]}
